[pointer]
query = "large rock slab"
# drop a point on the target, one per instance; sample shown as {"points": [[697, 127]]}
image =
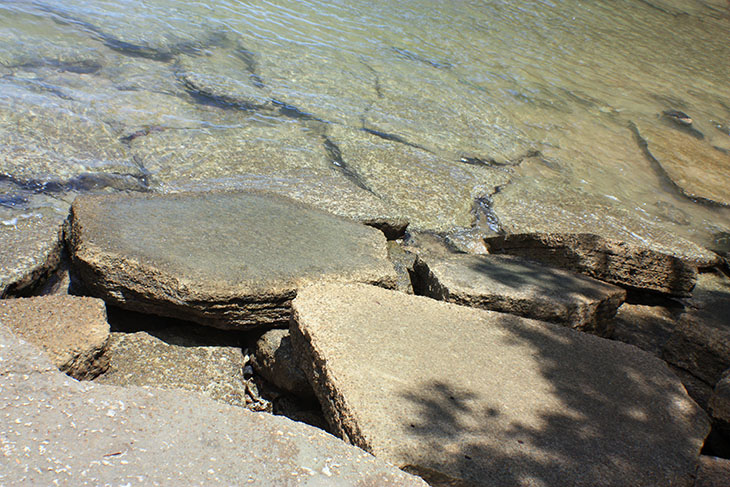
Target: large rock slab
{"points": [[513, 285], [700, 343], [72, 330], [491, 398], [30, 247], [143, 359], [56, 430], [228, 260], [609, 260]]}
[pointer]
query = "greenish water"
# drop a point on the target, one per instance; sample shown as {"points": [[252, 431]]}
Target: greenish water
{"points": [[469, 116]]}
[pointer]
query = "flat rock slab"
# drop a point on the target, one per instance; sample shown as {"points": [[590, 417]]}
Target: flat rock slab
{"points": [[700, 343], [490, 398], [71, 330], [30, 247], [605, 259], [142, 359], [516, 286], [228, 260], [56, 430]]}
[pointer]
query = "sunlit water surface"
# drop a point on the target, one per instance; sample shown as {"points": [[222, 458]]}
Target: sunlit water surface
{"points": [[481, 115]]}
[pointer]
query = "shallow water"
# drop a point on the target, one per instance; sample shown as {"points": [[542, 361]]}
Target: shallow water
{"points": [[499, 115]]}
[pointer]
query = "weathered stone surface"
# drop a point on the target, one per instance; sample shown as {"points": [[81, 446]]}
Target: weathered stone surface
{"points": [[696, 168], [72, 330], [700, 343], [60, 431], [608, 260], [713, 472], [229, 260], [492, 398], [644, 326], [720, 402], [403, 262], [276, 362], [30, 247], [142, 359], [516, 286]]}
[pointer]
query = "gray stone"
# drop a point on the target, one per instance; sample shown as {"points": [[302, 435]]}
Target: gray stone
{"points": [[142, 359], [700, 343], [645, 326], [713, 472], [276, 362], [403, 262], [720, 402], [228, 260], [609, 260], [56, 430], [490, 398], [512, 285], [30, 248], [71, 330]]}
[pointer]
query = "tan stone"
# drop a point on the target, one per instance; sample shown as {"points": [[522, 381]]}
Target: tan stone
{"points": [[72, 330]]}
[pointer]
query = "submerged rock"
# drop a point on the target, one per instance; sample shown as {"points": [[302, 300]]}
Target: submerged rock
{"points": [[516, 286], [605, 259], [228, 260], [487, 398], [58, 430], [30, 247], [71, 330]]}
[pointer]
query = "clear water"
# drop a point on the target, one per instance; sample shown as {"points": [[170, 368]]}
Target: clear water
{"points": [[472, 114]]}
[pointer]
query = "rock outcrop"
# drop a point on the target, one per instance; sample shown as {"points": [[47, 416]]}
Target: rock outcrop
{"points": [[228, 260], [487, 398], [609, 260], [516, 286], [71, 330], [60, 431]]}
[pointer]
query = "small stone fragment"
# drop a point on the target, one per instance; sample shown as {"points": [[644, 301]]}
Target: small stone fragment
{"points": [[605, 259], [228, 260], [513, 285], [276, 362], [72, 330]]}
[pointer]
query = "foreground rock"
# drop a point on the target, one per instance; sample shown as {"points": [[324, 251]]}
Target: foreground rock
{"points": [[276, 362], [30, 247], [59, 431], [491, 398], [72, 330], [608, 260], [700, 343], [229, 260], [512, 285], [141, 359]]}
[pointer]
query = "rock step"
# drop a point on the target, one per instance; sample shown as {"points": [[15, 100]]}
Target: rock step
{"points": [[513, 285], [602, 258], [228, 260], [73, 331], [487, 398]]}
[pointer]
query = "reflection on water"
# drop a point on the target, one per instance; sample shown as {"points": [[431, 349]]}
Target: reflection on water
{"points": [[545, 116]]}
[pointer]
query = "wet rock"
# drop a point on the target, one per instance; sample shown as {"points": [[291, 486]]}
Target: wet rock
{"points": [[276, 362], [713, 472], [58, 430], [71, 330], [228, 260], [608, 260], [30, 247], [700, 343], [693, 165], [513, 285], [489, 398], [142, 359], [644, 326]]}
